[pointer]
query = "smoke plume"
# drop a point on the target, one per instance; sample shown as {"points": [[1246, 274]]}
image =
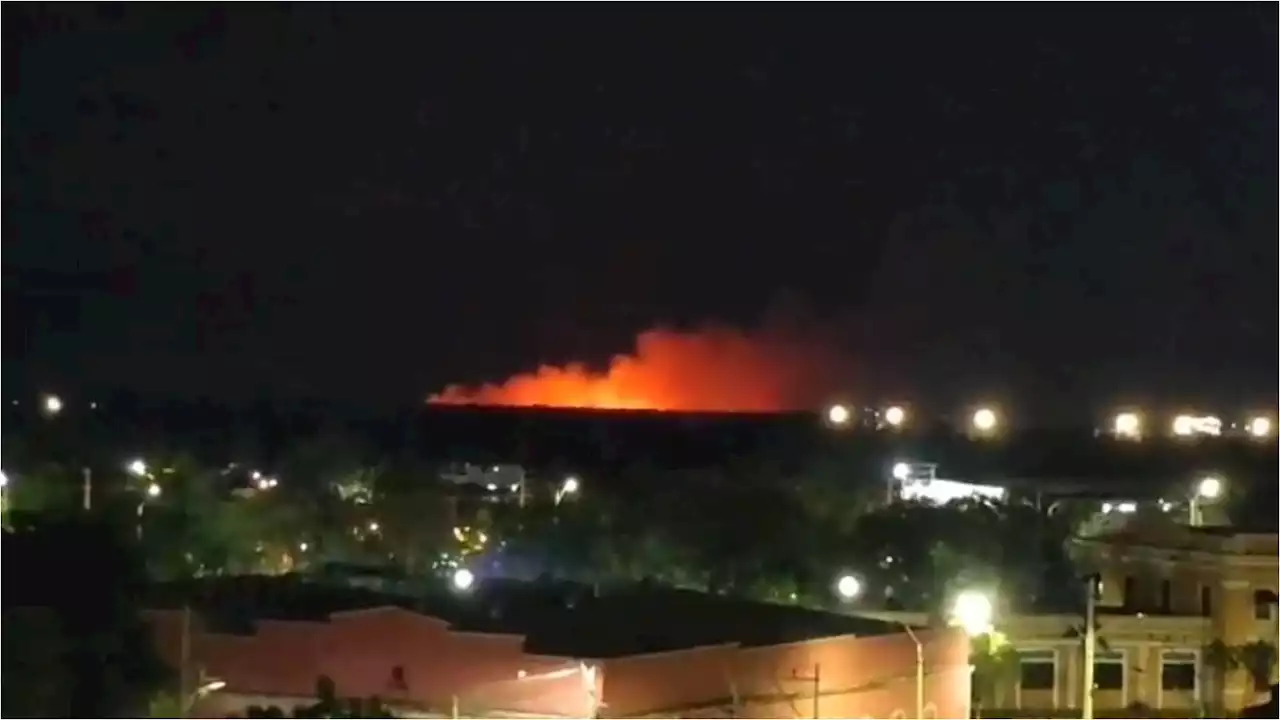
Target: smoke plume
{"points": [[712, 370]]}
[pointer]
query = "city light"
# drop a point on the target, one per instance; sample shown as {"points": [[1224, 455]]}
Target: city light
{"points": [[895, 416], [463, 579], [973, 611], [1260, 427], [848, 587], [838, 415], [901, 471], [1127, 425], [1188, 425], [153, 490], [4, 480], [985, 420], [137, 467], [1209, 488], [570, 485], [51, 404]]}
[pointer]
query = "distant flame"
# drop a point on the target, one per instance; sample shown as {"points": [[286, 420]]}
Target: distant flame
{"points": [[713, 371]]}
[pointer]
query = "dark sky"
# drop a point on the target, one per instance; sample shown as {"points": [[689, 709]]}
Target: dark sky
{"points": [[369, 202]]}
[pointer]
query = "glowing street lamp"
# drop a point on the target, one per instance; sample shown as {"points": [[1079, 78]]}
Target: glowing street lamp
{"points": [[51, 405], [895, 416], [848, 587], [839, 415], [137, 467], [1260, 427], [1209, 489], [463, 579], [985, 421], [974, 612], [1127, 425], [570, 486], [901, 471]]}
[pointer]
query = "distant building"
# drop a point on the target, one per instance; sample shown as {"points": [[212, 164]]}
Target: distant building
{"points": [[642, 653], [1173, 597]]}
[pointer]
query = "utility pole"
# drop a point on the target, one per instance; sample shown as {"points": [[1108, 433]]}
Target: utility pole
{"points": [[1090, 646], [87, 487], [816, 679], [919, 670], [184, 660]]}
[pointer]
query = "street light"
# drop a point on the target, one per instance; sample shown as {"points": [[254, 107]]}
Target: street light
{"points": [[901, 471], [973, 611], [1260, 427], [1208, 489], [51, 404], [848, 587], [985, 420], [1127, 425], [137, 467], [463, 579], [895, 416], [839, 415], [568, 487]]}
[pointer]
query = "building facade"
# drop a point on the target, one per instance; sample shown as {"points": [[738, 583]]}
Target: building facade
{"points": [[420, 667]]}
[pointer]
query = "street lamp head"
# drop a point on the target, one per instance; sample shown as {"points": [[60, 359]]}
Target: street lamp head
{"points": [[895, 416], [153, 490], [985, 420], [4, 480], [973, 611], [570, 485], [1209, 488], [137, 467], [1127, 425], [848, 587], [52, 404], [463, 579], [838, 415], [901, 471], [1260, 427]]}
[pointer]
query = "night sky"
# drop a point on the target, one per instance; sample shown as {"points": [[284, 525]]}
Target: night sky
{"points": [[1056, 206]]}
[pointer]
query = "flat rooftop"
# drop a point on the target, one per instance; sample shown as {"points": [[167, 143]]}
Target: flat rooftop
{"points": [[555, 619]]}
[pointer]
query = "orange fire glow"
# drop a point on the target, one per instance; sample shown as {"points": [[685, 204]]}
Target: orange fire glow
{"points": [[714, 370]]}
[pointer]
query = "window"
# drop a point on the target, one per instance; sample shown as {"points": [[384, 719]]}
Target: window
{"points": [[1206, 600], [1130, 597], [1108, 671], [1166, 596], [1036, 670], [1177, 670], [1263, 600]]}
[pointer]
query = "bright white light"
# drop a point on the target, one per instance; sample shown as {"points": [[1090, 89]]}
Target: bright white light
{"points": [[901, 471], [838, 415], [303, 546], [374, 526], [153, 490], [1107, 508], [895, 416], [848, 587], [1127, 508], [1209, 488], [52, 404], [1188, 425], [1127, 425], [570, 485], [463, 579], [137, 467], [1260, 427], [4, 480], [945, 491], [973, 611], [491, 487], [985, 420]]}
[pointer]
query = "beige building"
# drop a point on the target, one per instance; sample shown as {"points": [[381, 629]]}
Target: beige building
{"points": [[1173, 598]]}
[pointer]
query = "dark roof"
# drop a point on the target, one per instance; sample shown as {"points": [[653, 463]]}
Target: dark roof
{"points": [[562, 619]]}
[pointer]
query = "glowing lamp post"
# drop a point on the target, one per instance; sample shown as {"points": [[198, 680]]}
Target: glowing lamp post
{"points": [[570, 486], [463, 580], [1209, 489], [985, 422], [839, 415], [1127, 426]]}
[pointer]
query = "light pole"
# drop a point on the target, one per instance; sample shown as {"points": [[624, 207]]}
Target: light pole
{"points": [[1209, 489], [1090, 645]]}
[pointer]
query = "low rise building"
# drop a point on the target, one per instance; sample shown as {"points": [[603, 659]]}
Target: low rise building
{"points": [[634, 653]]}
